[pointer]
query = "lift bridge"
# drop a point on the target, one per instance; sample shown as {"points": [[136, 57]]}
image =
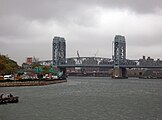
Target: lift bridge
{"points": [[118, 62]]}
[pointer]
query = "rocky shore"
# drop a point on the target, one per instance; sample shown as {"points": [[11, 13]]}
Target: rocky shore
{"points": [[30, 83]]}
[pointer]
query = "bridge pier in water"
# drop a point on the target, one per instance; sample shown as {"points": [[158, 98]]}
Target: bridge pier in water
{"points": [[119, 57], [59, 54], [119, 73], [64, 72]]}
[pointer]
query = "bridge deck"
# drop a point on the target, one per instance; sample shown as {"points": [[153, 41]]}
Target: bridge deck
{"points": [[109, 66]]}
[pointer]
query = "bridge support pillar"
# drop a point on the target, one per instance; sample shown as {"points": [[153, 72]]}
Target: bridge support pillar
{"points": [[120, 73], [64, 73]]}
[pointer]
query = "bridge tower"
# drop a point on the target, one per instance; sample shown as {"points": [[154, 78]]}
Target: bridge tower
{"points": [[59, 52], [119, 57]]}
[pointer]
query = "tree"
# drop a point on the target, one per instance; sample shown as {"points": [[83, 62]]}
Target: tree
{"points": [[7, 66], [2, 68]]}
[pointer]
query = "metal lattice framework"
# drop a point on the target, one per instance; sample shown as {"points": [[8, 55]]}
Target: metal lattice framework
{"points": [[102, 62], [119, 50], [59, 51], [119, 58], [88, 62]]}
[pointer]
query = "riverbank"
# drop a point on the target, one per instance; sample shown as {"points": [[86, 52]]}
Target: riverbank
{"points": [[30, 83]]}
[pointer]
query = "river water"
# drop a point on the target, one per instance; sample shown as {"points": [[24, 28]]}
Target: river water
{"points": [[87, 99]]}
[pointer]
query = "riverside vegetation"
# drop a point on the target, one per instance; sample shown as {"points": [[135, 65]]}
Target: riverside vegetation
{"points": [[7, 65]]}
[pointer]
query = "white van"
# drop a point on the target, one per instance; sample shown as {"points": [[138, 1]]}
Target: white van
{"points": [[8, 77]]}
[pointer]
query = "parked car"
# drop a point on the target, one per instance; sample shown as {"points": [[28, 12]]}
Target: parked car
{"points": [[8, 77], [1, 77]]}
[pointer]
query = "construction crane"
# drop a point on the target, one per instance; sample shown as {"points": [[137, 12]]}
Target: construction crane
{"points": [[96, 53], [79, 60], [78, 54]]}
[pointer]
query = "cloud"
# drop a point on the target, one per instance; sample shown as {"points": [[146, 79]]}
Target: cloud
{"points": [[87, 26], [61, 9], [140, 6]]}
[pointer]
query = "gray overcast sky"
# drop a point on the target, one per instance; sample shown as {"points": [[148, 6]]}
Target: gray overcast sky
{"points": [[27, 27]]}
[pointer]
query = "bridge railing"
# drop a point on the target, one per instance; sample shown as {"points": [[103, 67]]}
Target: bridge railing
{"points": [[101, 62]]}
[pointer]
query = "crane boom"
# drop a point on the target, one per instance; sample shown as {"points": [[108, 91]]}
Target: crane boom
{"points": [[78, 54]]}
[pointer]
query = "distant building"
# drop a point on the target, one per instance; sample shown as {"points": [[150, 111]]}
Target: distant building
{"points": [[29, 60], [28, 63], [58, 50]]}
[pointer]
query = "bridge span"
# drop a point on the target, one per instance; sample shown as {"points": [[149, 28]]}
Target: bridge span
{"points": [[118, 62], [100, 64]]}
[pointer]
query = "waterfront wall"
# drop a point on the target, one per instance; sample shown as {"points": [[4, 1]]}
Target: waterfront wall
{"points": [[29, 83]]}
